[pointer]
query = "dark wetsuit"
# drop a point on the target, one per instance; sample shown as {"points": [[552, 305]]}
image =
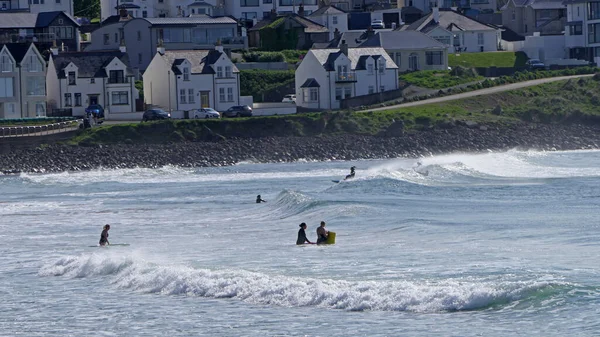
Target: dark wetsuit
{"points": [[302, 237], [104, 237]]}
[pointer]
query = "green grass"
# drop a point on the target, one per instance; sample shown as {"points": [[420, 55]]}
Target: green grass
{"points": [[488, 59], [436, 79]]}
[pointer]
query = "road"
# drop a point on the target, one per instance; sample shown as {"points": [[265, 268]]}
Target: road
{"points": [[480, 92]]}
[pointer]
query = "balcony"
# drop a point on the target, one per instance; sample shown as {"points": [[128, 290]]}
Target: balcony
{"points": [[16, 38], [118, 80], [349, 76]]}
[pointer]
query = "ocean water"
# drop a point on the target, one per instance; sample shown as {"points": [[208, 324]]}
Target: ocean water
{"points": [[492, 244]]}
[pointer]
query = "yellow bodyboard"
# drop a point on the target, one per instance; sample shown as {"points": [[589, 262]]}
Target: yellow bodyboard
{"points": [[330, 238]]}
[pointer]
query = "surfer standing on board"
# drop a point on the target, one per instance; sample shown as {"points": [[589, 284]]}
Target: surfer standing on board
{"points": [[104, 236]]}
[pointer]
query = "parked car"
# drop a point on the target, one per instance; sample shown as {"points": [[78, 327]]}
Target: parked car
{"points": [[289, 98], [377, 24], [205, 113], [96, 110], [238, 111], [535, 64], [155, 114]]}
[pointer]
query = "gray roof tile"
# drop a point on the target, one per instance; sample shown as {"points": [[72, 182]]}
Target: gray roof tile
{"points": [[327, 56], [397, 40], [201, 60], [193, 20], [89, 64]]}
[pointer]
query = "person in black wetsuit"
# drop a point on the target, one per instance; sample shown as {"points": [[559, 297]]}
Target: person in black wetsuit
{"points": [[104, 236], [351, 175], [302, 239], [259, 199], [322, 234]]}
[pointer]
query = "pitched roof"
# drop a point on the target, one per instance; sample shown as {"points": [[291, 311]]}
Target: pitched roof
{"points": [[309, 25], [310, 83], [201, 60], [17, 50], [329, 9], [449, 20], [192, 20], [31, 20], [200, 3], [89, 64], [327, 57], [353, 40], [409, 39]]}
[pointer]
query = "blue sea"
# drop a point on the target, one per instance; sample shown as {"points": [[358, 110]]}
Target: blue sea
{"points": [[488, 244]]}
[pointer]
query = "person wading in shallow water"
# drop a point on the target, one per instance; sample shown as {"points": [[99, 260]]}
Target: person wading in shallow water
{"points": [[259, 199], [322, 233], [104, 236], [302, 239]]}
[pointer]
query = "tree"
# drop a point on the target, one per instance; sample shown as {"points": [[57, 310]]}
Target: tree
{"points": [[87, 8]]}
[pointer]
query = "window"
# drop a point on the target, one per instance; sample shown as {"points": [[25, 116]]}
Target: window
{"points": [[34, 65], [36, 86], [72, 80], [228, 71], [398, 59], [57, 1], [116, 37], [576, 29], [120, 98], [221, 94], [382, 88], [106, 39], [40, 109], [334, 20], [296, 2], [116, 76], [338, 94], [593, 10], [370, 69], [78, 99], [413, 62], [578, 11], [229, 94], [347, 92], [92, 80], [442, 39], [60, 21], [513, 15], [9, 107], [314, 95], [219, 72], [480, 39], [266, 15], [267, 1], [381, 66], [6, 64], [182, 96], [594, 33], [371, 89], [434, 58], [68, 100], [186, 74], [248, 3], [249, 15], [191, 96], [6, 87]]}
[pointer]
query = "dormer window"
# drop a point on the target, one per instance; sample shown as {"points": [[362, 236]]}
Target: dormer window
{"points": [[6, 64], [116, 76], [228, 71], [219, 72], [381, 66], [370, 69], [186, 74], [72, 78], [34, 65]]}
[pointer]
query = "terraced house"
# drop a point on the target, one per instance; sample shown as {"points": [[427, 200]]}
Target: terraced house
{"points": [[22, 81]]}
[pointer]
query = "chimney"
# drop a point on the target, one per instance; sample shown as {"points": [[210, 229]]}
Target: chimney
{"points": [[122, 47], [301, 9], [344, 47], [54, 48], [123, 13], [219, 46], [436, 14], [337, 34], [160, 48]]}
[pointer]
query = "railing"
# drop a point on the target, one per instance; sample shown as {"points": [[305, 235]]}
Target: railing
{"points": [[118, 80], [16, 38], [39, 130], [348, 76]]}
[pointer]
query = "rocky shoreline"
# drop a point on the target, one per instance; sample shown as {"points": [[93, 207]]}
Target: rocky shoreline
{"points": [[463, 137]]}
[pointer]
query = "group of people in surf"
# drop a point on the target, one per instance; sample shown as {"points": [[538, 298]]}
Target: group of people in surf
{"points": [[322, 235]]}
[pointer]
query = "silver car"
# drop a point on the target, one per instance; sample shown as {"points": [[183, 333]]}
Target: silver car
{"points": [[205, 113]]}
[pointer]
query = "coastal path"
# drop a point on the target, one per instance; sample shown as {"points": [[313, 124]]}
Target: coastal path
{"points": [[38, 130], [487, 91]]}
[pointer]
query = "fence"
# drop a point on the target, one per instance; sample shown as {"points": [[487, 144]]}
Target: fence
{"points": [[371, 98], [39, 130], [60, 113]]}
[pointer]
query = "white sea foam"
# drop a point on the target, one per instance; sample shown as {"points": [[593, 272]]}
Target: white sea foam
{"points": [[134, 273]]}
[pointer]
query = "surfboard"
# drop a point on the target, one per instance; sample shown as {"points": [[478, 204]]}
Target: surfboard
{"points": [[336, 181], [113, 245]]}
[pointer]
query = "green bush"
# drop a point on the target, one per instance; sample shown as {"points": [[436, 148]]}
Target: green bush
{"points": [[263, 56], [255, 82]]}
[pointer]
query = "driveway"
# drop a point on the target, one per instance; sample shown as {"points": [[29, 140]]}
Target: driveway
{"points": [[487, 91]]}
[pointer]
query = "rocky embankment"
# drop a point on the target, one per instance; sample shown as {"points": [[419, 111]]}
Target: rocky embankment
{"points": [[461, 137]]}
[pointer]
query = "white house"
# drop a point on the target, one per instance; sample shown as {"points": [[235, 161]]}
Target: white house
{"points": [[582, 31], [182, 80], [461, 33], [77, 80], [326, 76], [331, 17], [37, 6], [22, 81]]}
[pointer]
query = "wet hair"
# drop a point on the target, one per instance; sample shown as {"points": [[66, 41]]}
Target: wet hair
{"points": [[322, 223], [107, 226], [302, 224]]}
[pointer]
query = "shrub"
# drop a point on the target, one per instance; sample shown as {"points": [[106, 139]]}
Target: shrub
{"points": [[263, 56]]}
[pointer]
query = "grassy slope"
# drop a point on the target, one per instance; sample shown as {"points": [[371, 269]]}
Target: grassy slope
{"points": [[436, 79], [488, 59], [564, 101]]}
